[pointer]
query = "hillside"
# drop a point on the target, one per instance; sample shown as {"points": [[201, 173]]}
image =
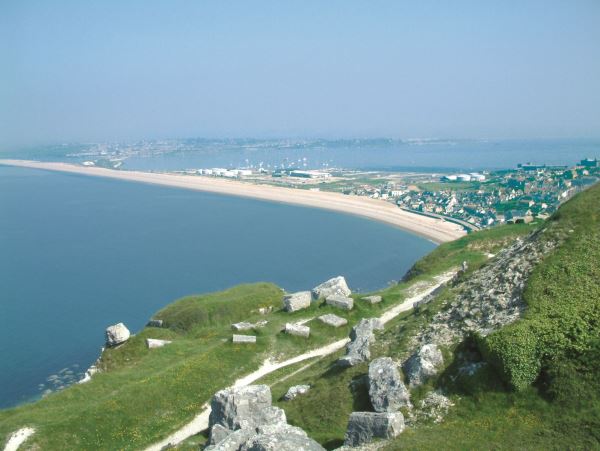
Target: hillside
{"points": [[530, 382]]}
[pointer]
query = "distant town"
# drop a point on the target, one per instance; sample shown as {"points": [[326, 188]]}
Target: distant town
{"points": [[474, 200]]}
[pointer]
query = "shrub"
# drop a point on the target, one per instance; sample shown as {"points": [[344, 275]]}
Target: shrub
{"points": [[514, 352]]}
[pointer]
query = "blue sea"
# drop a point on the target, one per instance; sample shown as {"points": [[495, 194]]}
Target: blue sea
{"points": [[80, 253]]}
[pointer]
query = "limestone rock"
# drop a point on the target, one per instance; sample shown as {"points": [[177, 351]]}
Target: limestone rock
{"points": [[434, 407], [244, 338], [365, 426], [343, 302], [337, 285], [361, 337], [218, 433], [372, 299], [425, 363], [242, 326], [243, 419], [297, 329], [155, 323], [117, 334], [152, 343], [386, 389], [281, 437], [232, 441], [295, 391], [297, 301], [244, 407], [265, 310], [333, 320]]}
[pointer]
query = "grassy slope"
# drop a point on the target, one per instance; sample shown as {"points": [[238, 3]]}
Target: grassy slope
{"points": [[145, 394], [560, 411]]}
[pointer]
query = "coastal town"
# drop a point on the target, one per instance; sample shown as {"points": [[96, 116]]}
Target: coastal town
{"points": [[473, 200]]}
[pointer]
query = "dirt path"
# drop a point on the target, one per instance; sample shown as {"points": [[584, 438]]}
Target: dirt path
{"points": [[200, 421], [17, 438]]}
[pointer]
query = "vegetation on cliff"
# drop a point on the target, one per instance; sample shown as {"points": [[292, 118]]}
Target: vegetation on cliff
{"points": [[551, 355]]}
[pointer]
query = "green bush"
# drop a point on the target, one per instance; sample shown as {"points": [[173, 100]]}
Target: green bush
{"points": [[514, 351], [562, 295]]}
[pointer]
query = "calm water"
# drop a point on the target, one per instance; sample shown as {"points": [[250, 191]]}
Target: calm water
{"points": [[79, 253], [383, 154]]}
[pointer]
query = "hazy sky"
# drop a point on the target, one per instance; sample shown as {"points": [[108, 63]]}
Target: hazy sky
{"points": [[94, 70]]}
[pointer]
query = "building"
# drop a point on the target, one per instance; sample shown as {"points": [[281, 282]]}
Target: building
{"points": [[310, 174]]}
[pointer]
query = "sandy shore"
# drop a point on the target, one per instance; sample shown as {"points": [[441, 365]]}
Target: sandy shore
{"points": [[435, 230]]}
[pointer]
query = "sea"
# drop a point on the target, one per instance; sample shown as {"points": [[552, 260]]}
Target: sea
{"points": [[80, 253]]}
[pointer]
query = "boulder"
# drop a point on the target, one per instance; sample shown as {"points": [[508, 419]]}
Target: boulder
{"points": [[218, 433], [265, 310], [295, 391], [365, 327], [232, 441], [242, 326], [155, 323], [281, 437], [423, 364], [244, 407], [343, 302], [244, 338], [337, 285], [297, 329], [117, 334], [365, 426], [152, 343], [386, 389], [361, 336], [297, 301], [372, 299], [333, 320]]}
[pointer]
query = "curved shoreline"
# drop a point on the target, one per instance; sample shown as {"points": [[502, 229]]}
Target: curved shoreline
{"points": [[435, 230]]}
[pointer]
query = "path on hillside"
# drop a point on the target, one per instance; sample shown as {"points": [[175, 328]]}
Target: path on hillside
{"points": [[200, 421]]}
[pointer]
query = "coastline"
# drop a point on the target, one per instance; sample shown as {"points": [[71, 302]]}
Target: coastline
{"points": [[432, 229]]}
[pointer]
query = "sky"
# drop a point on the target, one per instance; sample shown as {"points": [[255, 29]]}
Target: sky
{"points": [[119, 70]]}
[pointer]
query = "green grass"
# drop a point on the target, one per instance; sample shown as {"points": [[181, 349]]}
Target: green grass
{"points": [[561, 410], [143, 395]]}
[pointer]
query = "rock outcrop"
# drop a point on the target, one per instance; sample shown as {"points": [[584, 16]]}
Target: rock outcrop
{"points": [[365, 426], [361, 337], [155, 323], [372, 299], [117, 334], [338, 301], [243, 419], [490, 297], [295, 391], [422, 365], [297, 301], [337, 286], [281, 437], [297, 329], [386, 388], [152, 343], [333, 320], [244, 407]]}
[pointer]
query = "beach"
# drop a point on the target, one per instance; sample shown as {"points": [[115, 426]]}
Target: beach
{"points": [[436, 230]]}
